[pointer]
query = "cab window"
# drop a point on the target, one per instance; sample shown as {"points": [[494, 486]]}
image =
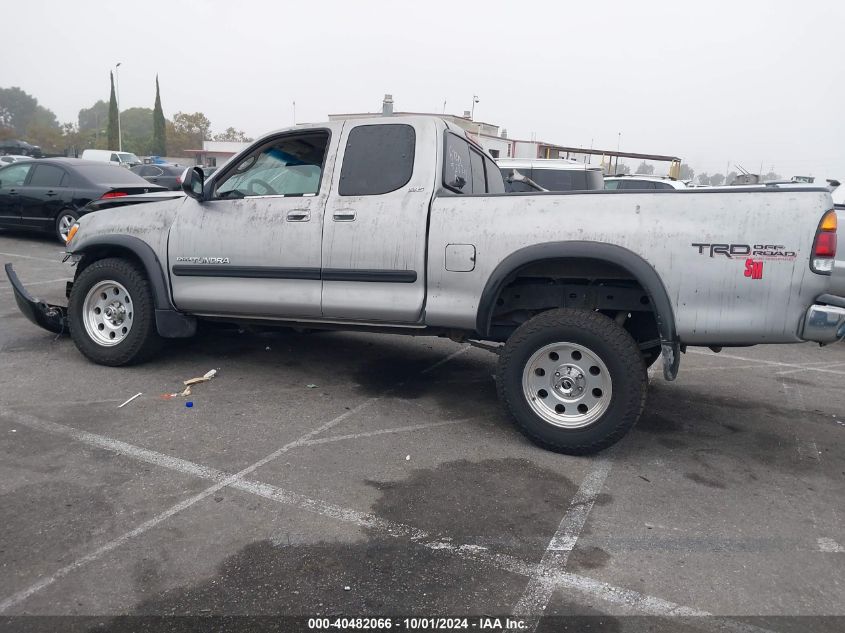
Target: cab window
{"points": [[288, 166], [378, 159]]}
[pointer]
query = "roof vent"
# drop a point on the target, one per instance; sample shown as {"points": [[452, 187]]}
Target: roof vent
{"points": [[504, 132], [387, 106]]}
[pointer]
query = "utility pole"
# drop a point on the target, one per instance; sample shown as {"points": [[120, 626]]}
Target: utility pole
{"points": [[117, 98], [294, 112], [472, 112]]}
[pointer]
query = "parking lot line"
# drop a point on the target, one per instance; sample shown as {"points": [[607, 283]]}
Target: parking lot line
{"points": [[187, 503], [760, 361], [397, 429], [535, 598], [43, 259], [553, 579]]}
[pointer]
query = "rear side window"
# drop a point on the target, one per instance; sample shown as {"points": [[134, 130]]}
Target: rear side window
{"points": [[611, 184], [477, 163], [46, 176], [456, 165], [639, 185], [495, 182], [378, 159]]}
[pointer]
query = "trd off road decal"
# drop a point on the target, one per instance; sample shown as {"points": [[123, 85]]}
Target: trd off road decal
{"points": [[755, 255]]}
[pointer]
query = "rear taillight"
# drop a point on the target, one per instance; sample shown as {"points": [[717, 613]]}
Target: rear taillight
{"points": [[113, 194], [824, 247]]}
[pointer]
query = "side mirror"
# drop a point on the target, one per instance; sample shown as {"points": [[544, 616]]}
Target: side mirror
{"points": [[193, 183]]}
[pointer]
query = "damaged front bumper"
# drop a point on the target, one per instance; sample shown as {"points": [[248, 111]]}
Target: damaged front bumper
{"points": [[825, 320], [45, 315]]}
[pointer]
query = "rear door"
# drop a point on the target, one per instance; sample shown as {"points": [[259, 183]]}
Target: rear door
{"points": [[44, 195], [374, 235]]}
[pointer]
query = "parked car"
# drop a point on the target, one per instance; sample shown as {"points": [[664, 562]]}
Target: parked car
{"points": [[124, 159], [8, 159], [552, 174], [50, 194], [402, 225], [19, 148], [642, 182], [169, 176]]}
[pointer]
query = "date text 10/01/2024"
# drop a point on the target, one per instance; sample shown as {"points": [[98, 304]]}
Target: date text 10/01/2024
{"points": [[481, 623]]}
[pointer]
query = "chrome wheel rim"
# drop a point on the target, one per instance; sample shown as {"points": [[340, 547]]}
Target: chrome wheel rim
{"points": [[65, 224], [107, 313], [567, 385]]}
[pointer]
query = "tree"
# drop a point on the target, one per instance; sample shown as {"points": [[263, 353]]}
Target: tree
{"points": [[137, 128], [717, 179], [772, 176], [731, 178], [113, 132], [23, 118], [703, 178], [686, 172], [159, 147], [231, 134], [621, 168], [93, 119], [196, 125], [645, 168]]}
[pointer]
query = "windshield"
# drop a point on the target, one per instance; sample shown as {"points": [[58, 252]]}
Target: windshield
{"points": [[127, 157]]}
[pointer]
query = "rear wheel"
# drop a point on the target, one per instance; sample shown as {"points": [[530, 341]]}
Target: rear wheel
{"points": [[64, 221], [112, 315], [573, 381]]}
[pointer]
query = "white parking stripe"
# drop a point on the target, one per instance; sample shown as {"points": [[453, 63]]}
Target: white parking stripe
{"points": [[396, 429], [760, 361], [535, 598], [43, 259], [167, 462], [557, 579]]}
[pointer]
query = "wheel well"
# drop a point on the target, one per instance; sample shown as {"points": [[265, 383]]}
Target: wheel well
{"points": [[96, 253], [576, 282], [136, 251]]}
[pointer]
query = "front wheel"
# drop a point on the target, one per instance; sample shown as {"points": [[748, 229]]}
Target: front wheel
{"points": [[111, 313], [573, 381], [64, 221]]}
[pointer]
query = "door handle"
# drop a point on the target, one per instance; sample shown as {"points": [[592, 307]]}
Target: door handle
{"points": [[51, 193], [344, 215], [12, 192], [299, 215]]}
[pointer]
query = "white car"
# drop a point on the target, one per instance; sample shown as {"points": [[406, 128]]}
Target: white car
{"points": [[641, 181], [124, 159]]}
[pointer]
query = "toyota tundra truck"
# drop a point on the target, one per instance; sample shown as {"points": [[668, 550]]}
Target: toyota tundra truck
{"points": [[402, 224]]}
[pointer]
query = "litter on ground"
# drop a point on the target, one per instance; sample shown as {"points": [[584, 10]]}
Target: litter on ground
{"points": [[130, 400]]}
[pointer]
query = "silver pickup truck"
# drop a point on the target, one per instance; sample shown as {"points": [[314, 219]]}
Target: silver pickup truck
{"points": [[402, 225]]}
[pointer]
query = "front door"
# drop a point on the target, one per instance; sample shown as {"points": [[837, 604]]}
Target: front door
{"points": [[374, 240], [252, 248], [12, 179]]}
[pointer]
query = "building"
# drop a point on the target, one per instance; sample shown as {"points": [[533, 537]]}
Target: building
{"points": [[215, 153]]}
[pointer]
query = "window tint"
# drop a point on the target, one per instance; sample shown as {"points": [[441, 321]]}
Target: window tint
{"points": [[495, 182], [611, 184], [288, 166], [636, 184], [477, 164], [567, 179], [14, 175], [663, 185], [46, 176], [456, 164], [378, 159]]}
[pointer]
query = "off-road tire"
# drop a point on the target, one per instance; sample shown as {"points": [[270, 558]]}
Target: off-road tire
{"points": [[601, 336], [142, 341]]}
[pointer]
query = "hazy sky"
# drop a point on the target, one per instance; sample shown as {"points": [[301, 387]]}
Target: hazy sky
{"points": [[713, 82]]}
